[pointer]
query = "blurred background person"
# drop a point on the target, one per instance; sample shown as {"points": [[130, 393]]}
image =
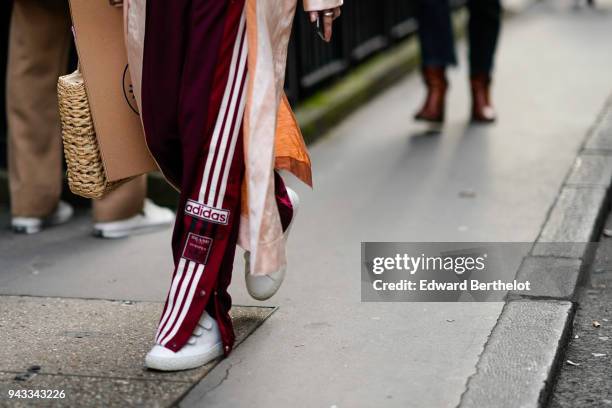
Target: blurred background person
{"points": [[39, 48], [438, 52]]}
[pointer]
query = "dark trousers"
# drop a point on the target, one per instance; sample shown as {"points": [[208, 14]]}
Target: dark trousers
{"points": [[437, 40]]}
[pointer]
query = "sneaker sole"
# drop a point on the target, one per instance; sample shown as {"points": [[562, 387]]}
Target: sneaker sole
{"points": [[32, 227], [27, 230], [184, 363], [126, 232]]}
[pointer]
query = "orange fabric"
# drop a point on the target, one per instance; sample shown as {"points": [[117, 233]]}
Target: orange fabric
{"points": [[291, 153]]}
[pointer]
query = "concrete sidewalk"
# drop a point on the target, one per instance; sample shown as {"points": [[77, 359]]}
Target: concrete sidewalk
{"points": [[378, 177]]}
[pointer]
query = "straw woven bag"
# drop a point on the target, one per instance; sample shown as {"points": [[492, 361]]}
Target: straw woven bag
{"points": [[86, 175]]}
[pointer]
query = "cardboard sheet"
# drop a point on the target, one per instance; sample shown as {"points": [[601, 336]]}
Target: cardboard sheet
{"points": [[100, 44]]}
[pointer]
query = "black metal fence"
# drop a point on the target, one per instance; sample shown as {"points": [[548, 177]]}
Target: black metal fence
{"points": [[365, 28]]}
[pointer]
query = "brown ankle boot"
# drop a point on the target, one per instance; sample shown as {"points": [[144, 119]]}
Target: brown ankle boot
{"points": [[433, 109], [482, 109]]}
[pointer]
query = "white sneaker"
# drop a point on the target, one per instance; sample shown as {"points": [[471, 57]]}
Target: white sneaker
{"points": [[152, 217], [32, 225], [203, 346], [262, 287]]}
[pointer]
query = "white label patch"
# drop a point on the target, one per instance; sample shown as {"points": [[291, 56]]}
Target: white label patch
{"points": [[197, 248], [206, 213]]}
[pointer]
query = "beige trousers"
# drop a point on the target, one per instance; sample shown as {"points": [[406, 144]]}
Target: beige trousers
{"points": [[39, 46]]}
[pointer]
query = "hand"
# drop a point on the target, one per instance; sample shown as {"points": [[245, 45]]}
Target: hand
{"points": [[328, 17]]}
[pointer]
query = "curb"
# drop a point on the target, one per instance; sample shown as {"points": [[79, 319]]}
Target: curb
{"points": [[524, 350], [527, 337]]}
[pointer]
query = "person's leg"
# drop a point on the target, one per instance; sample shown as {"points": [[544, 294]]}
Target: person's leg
{"points": [[39, 47], [484, 29], [210, 111], [163, 59], [436, 33], [124, 202], [437, 52]]}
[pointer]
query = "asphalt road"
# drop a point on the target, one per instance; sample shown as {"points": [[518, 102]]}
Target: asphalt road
{"points": [[585, 376]]}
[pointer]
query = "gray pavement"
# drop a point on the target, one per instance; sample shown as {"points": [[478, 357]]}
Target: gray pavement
{"points": [[378, 177], [92, 350]]}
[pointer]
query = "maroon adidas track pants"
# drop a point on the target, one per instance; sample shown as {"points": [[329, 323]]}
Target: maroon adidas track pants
{"points": [[193, 101]]}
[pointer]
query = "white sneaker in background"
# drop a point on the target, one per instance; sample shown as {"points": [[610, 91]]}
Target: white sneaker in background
{"points": [[262, 287], [32, 225], [151, 218], [203, 346]]}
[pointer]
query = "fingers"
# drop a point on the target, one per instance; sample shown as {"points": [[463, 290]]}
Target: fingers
{"points": [[328, 21]]}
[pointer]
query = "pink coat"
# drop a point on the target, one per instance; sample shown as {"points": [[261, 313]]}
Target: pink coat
{"points": [[271, 136]]}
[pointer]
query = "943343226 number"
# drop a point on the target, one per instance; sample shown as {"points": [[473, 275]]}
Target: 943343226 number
{"points": [[36, 394]]}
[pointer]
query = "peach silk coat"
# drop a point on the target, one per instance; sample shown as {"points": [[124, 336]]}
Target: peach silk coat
{"points": [[272, 139]]}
